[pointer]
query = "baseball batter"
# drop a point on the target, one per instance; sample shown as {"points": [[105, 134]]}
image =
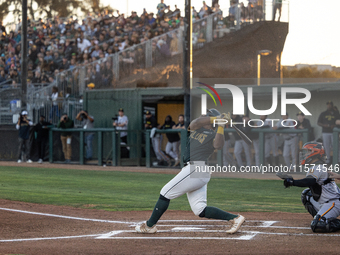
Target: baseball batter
{"points": [[201, 144], [321, 199]]}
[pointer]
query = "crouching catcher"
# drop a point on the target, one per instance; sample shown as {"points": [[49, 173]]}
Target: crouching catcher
{"points": [[321, 198]]}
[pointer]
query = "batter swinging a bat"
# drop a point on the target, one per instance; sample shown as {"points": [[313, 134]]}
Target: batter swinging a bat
{"points": [[203, 140]]}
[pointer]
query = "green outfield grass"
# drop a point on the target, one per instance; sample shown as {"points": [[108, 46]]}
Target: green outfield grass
{"points": [[126, 191]]}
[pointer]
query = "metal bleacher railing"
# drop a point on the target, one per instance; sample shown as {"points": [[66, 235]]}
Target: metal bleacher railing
{"points": [[136, 144]]}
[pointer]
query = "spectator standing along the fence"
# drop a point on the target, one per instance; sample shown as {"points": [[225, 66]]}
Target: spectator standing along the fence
{"points": [[66, 137], [23, 126], [41, 128], [88, 123]]}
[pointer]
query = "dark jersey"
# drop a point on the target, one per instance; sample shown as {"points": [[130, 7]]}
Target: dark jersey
{"points": [[179, 124], [240, 126], [42, 133], [172, 137], [24, 130], [226, 136], [328, 118], [305, 124], [251, 135], [151, 121], [200, 145]]}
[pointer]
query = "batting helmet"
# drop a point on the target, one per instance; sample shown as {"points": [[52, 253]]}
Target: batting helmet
{"points": [[311, 151], [213, 112]]}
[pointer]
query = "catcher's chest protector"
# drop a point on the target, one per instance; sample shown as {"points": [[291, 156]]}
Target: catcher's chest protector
{"points": [[316, 190]]}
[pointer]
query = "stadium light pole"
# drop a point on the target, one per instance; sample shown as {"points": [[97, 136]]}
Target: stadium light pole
{"points": [[24, 53], [259, 54], [187, 61]]}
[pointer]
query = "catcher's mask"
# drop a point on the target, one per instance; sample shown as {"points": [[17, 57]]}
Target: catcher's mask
{"points": [[311, 151], [213, 112]]}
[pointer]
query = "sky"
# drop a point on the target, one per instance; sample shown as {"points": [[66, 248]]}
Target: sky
{"points": [[313, 38]]}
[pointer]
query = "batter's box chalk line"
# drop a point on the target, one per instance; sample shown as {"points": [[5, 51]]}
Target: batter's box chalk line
{"points": [[182, 226]]}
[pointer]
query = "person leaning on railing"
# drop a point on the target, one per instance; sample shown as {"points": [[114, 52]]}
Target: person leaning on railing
{"points": [[66, 137]]}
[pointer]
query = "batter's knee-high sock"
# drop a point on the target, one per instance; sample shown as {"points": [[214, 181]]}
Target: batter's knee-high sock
{"points": [[160, 207], [211, 212]]}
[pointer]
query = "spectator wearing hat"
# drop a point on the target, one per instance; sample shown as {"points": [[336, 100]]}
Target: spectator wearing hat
{"points": [[66, 137], [121, 123], [23, 125], [327, 120], [290, 141], [303, 123], [91, 86], [41, 129], [87, 123]]}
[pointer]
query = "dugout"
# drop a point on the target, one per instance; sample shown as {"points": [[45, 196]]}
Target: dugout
{"points": [[104, 104]]}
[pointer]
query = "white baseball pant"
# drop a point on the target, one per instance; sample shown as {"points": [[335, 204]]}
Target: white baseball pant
{"points": [[172, 149], [156, 144], [271, 145], [327, 140], [189, 181], [290, 148], [328, 210], [256, 144]]}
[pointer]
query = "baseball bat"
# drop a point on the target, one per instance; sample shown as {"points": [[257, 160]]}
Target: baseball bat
{"points": [[242, 135]]}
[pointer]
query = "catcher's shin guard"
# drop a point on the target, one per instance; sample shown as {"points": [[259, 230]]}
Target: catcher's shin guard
{"points": [[334, 224], [320, 225], [305, 199]]}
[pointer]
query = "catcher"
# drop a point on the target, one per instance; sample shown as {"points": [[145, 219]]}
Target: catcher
{"points": [[321, 199], [201, 144]]}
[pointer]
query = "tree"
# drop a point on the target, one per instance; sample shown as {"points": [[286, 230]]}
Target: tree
{"points": [[309, 72], [49, 8]]}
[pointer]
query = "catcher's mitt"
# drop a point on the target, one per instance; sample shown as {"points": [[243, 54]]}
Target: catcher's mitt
{"points": [[287, 179], [284, 176]]}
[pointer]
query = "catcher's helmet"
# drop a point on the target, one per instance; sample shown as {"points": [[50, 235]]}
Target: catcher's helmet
{"points": [[213, 112], [311, 151]]}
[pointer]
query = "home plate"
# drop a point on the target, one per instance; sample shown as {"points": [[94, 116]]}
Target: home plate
{"points": [[186, 229]]}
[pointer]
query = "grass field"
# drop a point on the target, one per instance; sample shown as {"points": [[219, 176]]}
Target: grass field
{"points": [[126, 191]]}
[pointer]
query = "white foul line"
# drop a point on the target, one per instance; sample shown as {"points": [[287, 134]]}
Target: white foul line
{"points": [[288, 234], [245, 237], [45, 238], [65, 217]]}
